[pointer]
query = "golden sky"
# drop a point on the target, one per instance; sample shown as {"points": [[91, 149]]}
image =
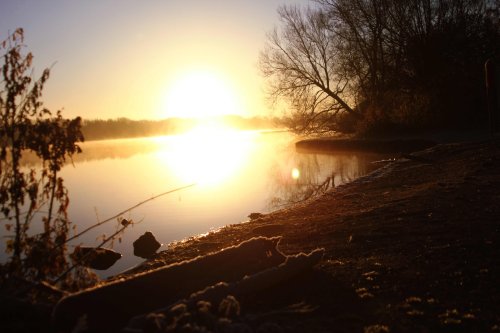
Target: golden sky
{"points": [[141, 59]]}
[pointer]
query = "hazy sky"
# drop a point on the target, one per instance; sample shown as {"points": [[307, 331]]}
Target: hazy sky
{"points": [[123, 58]]}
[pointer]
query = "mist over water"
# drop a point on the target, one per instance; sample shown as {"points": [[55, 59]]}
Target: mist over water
{"points": [[235, 173]]}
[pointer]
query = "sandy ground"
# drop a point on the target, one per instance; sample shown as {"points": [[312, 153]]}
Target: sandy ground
{"points": [[413, 247]]}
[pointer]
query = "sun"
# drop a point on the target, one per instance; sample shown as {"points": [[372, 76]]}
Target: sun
{"points": [[201, 94]]}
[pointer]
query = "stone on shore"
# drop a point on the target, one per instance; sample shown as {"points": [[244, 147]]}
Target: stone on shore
{"points": [[146, 246]]}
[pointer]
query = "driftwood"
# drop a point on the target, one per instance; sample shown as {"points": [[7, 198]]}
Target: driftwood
{"points": [[249, 285], [108, 308]]}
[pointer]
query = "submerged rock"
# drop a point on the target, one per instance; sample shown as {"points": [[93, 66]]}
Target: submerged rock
{"points": [[96, 258], [146, 245]]}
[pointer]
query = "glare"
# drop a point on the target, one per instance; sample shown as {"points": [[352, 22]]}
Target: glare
{"points": [[208, 155], [295, 173], [201, 94]]}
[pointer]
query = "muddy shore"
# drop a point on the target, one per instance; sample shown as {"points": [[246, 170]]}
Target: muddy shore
{"points": [[412, 247]]}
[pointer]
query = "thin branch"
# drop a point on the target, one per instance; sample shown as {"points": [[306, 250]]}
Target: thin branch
{"points": [[89, 253], [125, 211], [117, 232]]}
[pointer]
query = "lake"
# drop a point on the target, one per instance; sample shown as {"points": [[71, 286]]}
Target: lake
{"points": [[234, 174]]}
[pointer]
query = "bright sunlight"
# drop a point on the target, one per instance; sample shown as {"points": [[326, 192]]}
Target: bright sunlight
{"points": [[208, 155], [201, 94]]}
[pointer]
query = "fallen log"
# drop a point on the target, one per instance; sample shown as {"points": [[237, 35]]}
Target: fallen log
{"points": [[108, 308], [216, 294]]}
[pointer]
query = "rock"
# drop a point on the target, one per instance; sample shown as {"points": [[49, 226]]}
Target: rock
{"points": [[146, 245], [96, 258], [255, 216]]}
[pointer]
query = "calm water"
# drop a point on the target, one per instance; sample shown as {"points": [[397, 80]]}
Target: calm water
{"points": [[235, 173]]}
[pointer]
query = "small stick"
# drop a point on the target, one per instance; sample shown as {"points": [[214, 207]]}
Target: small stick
{"points": [[125, 211], [97, 247], [117, 232]]}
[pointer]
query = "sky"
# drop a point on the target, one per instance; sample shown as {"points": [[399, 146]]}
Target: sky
{"points": [[147, 59]]}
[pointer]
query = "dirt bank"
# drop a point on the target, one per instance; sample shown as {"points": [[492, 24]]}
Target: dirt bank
{"points": [[413, 247]]}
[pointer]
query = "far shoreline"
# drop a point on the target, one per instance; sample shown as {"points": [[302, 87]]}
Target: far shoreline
{"points": [[382, 146]]}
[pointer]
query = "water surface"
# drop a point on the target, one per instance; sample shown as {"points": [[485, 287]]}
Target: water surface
{"points": [[235, 173]]}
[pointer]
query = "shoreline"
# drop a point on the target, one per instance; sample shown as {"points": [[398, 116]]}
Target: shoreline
{"points": [[413, 245], [410, 247], [379, 146]]}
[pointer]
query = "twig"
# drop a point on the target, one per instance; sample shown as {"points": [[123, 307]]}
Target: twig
{"points": [[85, 256], [125, 211], [53, 283], [117, 232]]}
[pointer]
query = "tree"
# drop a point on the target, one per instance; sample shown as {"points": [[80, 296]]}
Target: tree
{"points": [[399, 63], [25, 124], [411, 59], [302, 63]]}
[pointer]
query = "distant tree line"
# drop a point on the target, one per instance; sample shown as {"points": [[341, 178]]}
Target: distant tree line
{"points": [[382, 66], [98, 129]]}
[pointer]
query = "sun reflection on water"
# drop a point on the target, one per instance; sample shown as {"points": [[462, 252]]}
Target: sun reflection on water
{"points": [[208, 155], [237, 172]]}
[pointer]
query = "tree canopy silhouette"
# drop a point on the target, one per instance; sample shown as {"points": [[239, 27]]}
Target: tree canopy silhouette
{"points": [[301, 61], [376, 65]]}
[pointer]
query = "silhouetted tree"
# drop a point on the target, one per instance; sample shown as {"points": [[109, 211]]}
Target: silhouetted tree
{"points": [[402, 63], [26, 125], [302, 63], [412, 60], [365, 51]]}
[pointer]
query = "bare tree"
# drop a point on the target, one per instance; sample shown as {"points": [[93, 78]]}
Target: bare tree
{"points": [[302, 64], [390, 65], [361, 27]]}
